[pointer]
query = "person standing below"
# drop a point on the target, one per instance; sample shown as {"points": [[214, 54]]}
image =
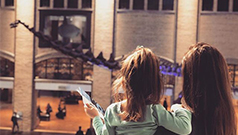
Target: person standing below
{"points": [[48, 109], [60, 113], [140, 112], [14, 122], [64, 110], [39, 112], [165, 104], [79, 132]]}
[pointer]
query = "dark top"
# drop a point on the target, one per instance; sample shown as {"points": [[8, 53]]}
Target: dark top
{"points": [[80, 132], [39, 110], [14, 119], [48, 109], [89, 132], [165, 104]]}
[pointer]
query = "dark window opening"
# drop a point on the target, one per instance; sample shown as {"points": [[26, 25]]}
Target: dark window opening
{"points": [[235, 5], [65, 27], [223, 5], [153, 4], [168, 5], [138, 4], [6, 68], [207, 5], [124, 4], [45, 3], [72, 3], [86, 3], [9, 3], [58, 3]]}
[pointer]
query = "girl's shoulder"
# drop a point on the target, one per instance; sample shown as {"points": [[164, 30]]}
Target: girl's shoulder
{"points": [[156, 109], [115, 107], [156, 106]]}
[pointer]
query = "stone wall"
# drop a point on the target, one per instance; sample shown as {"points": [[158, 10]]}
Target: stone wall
{"points": [[220, 30], [23, 83], [103, 41], [7, 35], [186, 32], [150, 29]]}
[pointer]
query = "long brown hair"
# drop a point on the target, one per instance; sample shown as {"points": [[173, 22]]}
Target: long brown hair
{"points": [[140, 80], [207, 90]]}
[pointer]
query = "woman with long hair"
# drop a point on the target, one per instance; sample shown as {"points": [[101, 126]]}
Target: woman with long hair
{"points": [[207, 91], [139, 111]]}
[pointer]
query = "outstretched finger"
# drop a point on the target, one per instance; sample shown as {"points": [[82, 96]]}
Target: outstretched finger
{"points": [[88, 105]]}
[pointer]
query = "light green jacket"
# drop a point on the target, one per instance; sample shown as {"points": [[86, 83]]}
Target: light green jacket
{"points": [[178, 121]]}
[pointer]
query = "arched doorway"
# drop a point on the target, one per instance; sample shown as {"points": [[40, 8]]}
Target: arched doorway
{"points": [[56, 80]]}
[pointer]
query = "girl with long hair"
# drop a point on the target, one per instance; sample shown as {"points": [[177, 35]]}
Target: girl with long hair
{"points": [[207, 91], [139, 111]]}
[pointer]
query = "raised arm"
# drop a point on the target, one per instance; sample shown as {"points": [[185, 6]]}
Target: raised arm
{"points": [[102, 127], [178, 121]]}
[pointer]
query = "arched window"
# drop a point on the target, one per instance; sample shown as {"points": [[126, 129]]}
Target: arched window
{"points": [[233, 71], [6, 68], [63, 68]]}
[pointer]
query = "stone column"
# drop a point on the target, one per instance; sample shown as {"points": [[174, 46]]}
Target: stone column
{"points": [[186, 32], [23, 82], [103, 40]]}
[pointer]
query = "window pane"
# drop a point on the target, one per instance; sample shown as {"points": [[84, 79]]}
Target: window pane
{"points": [[207, 5], [168, 4], [6, 68], [40, 69], [138, 4], [231, 73], [58, 3], [72, 3], [64, 66], [52, 68], [53, 26], [86, 3], [223, 5], [76, 69], [9, 3], [124, 4], [235, 5], [87, 71], [45, 3], [153, 4], [236, 76]]}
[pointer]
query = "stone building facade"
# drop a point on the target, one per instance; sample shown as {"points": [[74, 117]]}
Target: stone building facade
{"points": [[168, 27]]}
